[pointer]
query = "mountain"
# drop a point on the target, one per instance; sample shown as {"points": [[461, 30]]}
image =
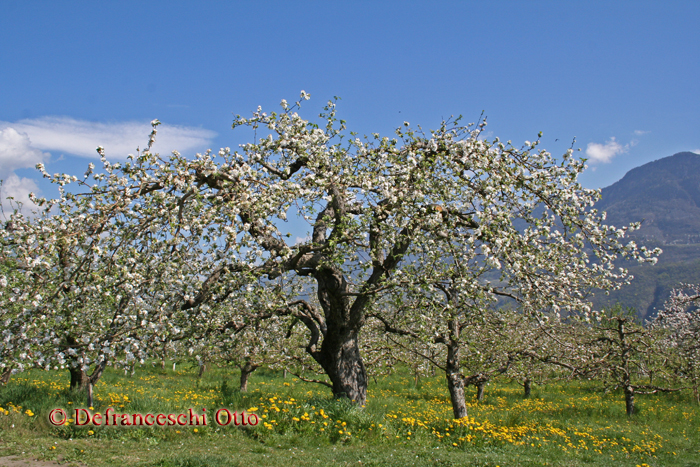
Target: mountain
{"points": [[664, 196]]}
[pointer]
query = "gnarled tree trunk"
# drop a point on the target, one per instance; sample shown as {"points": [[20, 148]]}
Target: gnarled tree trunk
{"points": [[340, 358], [340, 325], [246, 370], [479, 380], [93, 379]]}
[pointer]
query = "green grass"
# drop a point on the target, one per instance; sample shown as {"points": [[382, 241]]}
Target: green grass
{"points": [[561, 424]]}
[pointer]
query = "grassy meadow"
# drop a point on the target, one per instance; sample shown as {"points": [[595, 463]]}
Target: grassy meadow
{"points": [[403, 424]]}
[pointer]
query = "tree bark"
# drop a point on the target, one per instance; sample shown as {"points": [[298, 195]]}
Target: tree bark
{"points": [[479, 380], [480, 387], [202, 369], [527, 387], [246, 370], [93, 379], [89, 394], [340, 358], [629, 400], [339, 354], [78, 378], [455, 382], [626, 350], [6, 373]]}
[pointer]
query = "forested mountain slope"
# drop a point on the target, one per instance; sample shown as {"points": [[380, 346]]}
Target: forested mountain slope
{"points": [[665, 196]]}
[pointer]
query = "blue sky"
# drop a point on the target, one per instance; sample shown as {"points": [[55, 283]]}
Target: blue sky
{"points": [[621, 77]]}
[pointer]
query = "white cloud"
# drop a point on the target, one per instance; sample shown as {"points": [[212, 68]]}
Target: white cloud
{"points": [[19, 189], [641, 132], [80, 137], [22, 144], [16, 152], [604, 153], [300, 240]]}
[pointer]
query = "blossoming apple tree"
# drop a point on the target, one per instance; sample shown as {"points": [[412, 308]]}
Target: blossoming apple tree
{"points": [[78, 295], [680, 318], [526, 235]]}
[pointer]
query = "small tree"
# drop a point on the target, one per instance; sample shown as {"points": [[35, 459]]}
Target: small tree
{"points": [[680, 317], [453, 283], [87, 288], [620, 352]]}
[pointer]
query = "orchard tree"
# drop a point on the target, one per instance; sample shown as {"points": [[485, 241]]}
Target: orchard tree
{"points": [[622, 353], [548, 349], [90, 284], [255, 331], [524, 338], [530, 240], [84, 288], [437, 322], [680, 318]]}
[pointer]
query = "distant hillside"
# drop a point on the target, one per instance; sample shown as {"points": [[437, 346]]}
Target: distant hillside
{"points": [[665, 196]]}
